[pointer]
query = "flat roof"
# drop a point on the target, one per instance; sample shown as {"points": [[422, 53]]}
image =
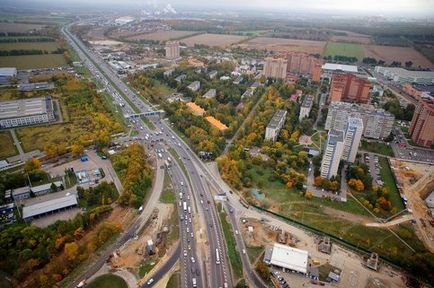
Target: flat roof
{"points": [[8, 71], [21, 190], [289, 257], [340, 67], [276, 118], [23, 107], [308, 101], [196, 108], [48, 206], [44, 187], [216, 123], [335, 136], [398, 71], [210, 93]]}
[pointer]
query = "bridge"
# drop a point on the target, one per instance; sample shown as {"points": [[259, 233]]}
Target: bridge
{"points": [[146, 114]]}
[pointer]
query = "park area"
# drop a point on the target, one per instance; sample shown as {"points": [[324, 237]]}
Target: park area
{"points": [[344, 49], [33, 61], [161, 35], [284, 45], [219, 40]]}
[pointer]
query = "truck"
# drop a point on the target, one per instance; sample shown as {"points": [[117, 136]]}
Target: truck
{"points": [[194, 282], [160, 156], [189, 210], [184, 206]]}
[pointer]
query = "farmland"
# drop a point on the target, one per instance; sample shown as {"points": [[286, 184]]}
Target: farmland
{"points": [[219, 40], [19, 27], [353, 38], [33, 61], [161, 35], [394, 53], [344, 49], [285, 45], [46, 46]]}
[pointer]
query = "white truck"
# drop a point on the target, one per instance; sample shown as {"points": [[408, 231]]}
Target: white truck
{"points": [[194, 282], [185, 206]]}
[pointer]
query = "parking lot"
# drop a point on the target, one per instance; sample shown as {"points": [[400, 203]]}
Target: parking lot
{"points": [[403, 150], [374, 168]]}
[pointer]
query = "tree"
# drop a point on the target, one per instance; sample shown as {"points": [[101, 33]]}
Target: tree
{"points": [[308, 195], [318, 181], [263, 270], [32, 165], [408, 64], [77, 149], [71, 251], [356, 184]]}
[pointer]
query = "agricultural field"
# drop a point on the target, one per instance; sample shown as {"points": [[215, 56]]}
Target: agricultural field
{"points": [[47, 46], [344, 49], [33, 61], [427, 49], [285, 45], [395, 53], [7, 145], [352, 37], [19, 27], [161, 35], [219, 40]]}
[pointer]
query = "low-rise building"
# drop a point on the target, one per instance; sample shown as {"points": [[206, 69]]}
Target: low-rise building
{"points": [[248, 93], [211, 93], [306, 106], [402, 76], [46, 188], [25, 87], [287, 257], [276, 123], [20, 193], [180, 78], [48, 207], [216, 123], [238, 80], [195, 109], [194, 86], [332, 67], [7, 74], [168, 73], [212, 74], [14, 113], [333, 151]]}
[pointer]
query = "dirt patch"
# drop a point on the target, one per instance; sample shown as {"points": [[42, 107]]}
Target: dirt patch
{"points": [[394, 53], [96, 34], [162, 35], [285, 45], [218, 40], [345, 215]]}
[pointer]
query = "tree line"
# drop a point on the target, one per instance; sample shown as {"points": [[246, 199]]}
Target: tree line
{"points": [[20, 52]]}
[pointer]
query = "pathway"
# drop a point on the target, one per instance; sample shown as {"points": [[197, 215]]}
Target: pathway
{"points": [[17, 144], [399, 220]]}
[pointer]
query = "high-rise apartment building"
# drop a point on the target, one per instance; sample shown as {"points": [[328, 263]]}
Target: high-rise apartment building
{"points": [[304, 64], [172, 49], [422, 124], [332, 154], [353, 134], [377, 123], [275, 67], [348, 87]]}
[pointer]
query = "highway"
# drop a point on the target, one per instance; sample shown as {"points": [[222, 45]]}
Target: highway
{"points": [[218, 274]]}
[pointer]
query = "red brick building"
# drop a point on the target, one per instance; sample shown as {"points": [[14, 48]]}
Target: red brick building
{"points": [[348, 87], [422, 124], [304, 64]]}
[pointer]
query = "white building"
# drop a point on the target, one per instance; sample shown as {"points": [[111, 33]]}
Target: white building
{"points": [[306, 106], [332, 154], [276, 123], [287, 257], [332, 67], [49, 207], [6, 74], [14, 113], [402, 76], [211, 93], [353, 134], [194, 86]]}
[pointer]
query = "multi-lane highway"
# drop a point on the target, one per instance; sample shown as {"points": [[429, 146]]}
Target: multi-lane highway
{"points": [[217, 269]]}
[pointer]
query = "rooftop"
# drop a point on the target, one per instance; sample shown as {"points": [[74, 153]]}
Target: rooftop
{"points": [[48, 206], [308, 101], [355, 122], [335, 136], [45, 187], [21, 190], [24, 107], [277, 118], [408, 73], [216, 123], [195, 108], [210, 93], [289, 257], [8, 71], [340, 67]]}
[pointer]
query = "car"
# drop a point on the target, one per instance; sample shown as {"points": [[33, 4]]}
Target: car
{"points": [[244, 251], [185, 253], [192, 259], [150, 281], [236, 232]]}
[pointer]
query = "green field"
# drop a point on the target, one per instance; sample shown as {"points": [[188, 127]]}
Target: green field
{"points": [[344, 49], [377, 147], [108, 281], [389, 182], [7, 145], [47, 46], [174, 281], [168, 194], [33, 61]]}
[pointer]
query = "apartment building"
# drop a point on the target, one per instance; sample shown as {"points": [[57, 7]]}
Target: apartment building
{"points": [[422, 124], [172, 50], [348, 87], [276, 123], [275, 67], [332, 154], [194, 86], [304, 64], [377, 123], [353, 134], [306, 106], [23, 112]]}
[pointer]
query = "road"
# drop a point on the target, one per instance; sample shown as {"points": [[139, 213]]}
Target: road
{"points": [[131, 104]]}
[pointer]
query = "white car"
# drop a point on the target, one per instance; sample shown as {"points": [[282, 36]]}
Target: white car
{"points": [[192, 260], [185, 253], [150, 281]]}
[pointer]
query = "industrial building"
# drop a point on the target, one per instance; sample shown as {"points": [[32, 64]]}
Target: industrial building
{"points": [[7, 74], [172, 50], [14, 113], [333, 151], [422, 125], [353, 134], [402, 76], [377, 123], [25, 87], [275, 68], [276, 123], [306, 106], [332, 67], [20, 193], [287, 257], [348, 87], [49, 207], [46, 188]]}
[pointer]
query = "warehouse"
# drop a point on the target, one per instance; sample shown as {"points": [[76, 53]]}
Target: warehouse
{"points": [[402, 76], [49, 207], [14, 113], [7, 74], [287, 257]]}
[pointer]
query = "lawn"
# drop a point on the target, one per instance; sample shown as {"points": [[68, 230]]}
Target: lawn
{"points": [[168, 194], [344, 49], [108, 281], [146, 266], [45, 46], [389, 182], [377, 147], [319, 139], [254, 252], [33, 61], [174, 281], [7, 145], [234, 256]]}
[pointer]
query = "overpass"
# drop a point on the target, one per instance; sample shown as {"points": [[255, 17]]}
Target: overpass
{"points": [[159, 113]]}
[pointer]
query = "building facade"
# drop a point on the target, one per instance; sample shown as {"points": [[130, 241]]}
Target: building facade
{"points": [[306, 106], [172, 50], [276, 123], [23, 112], [353, 134], [275, 68], [332, 154], [377, 123], [348, 87], [422, 124]]}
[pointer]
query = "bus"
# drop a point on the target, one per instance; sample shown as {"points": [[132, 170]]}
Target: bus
{"points": [[217, 256]]}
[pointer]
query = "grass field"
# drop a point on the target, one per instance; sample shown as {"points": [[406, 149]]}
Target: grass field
{"points": [[254, 253], [168, 194], [319, 139], [344, 49], [174, 281], [36, 137], [108, 281], [377, 147], [47, 46], [389, 182], [33, 61], [7, 145], [146, 266]]}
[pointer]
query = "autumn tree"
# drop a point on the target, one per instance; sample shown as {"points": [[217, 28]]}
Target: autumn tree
{"points": [[32, 165]]}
